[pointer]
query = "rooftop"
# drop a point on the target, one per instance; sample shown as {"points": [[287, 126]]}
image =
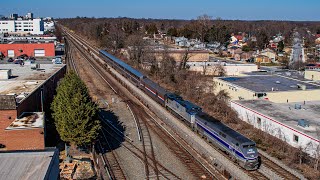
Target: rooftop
{"points": [[223, 63], [26, 41], [317, 70], [25, 165], [287, 114], [25, 80], [27, 120], [268, 83]]}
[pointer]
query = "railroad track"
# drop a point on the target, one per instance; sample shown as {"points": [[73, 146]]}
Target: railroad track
{"points": [[277, 169], [112, 163], [193, 165], [70, 59], [257, 175], [137, 152], [147, 146], [281, 172], [145, 138]]}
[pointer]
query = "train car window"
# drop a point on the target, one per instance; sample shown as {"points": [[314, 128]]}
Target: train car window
{"points": [[248, 146]]}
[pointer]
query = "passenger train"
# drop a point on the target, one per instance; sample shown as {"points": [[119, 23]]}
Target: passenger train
{"points": [[238, 147]]}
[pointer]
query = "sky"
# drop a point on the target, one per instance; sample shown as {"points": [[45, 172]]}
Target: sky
{"points": [[298, 10]]}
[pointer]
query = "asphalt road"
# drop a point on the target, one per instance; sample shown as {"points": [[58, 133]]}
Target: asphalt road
{"points": [[297, 48]]}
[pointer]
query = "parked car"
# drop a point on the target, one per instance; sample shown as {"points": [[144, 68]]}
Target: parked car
{"points": [[18, 61], [31, 59], [23, 56], [10, 60], [57, 60]]}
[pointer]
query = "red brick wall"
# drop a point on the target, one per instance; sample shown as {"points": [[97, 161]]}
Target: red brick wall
{"points": [[19, 139], [5, 122], [27, 139], [28, 48]]}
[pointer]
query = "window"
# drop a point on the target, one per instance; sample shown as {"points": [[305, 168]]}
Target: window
{"points": [[259, 121], [295, 138], [248, 145]]}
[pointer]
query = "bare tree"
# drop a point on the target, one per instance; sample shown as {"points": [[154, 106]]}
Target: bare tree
{"points": [[218, 70], [317, 152], [203, 25], [136, 48], [184, 59], [114, 39]]}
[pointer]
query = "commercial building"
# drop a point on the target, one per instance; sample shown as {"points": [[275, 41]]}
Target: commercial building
{"points": [[214, 68], [312, 74], [275, 88], [30, 165], [49, 26], [22, 26], [35, 49], [26, 93], [29, 38], [298, 124]]}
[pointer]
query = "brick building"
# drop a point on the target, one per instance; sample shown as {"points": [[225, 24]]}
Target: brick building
{"points": [[179, 54], [38, 49], [24, 99]]}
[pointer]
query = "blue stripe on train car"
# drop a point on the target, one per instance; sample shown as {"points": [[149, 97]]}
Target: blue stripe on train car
{"points": [[223, 142]]}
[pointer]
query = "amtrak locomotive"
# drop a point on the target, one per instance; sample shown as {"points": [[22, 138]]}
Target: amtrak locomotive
{"points": [[238, 147]]}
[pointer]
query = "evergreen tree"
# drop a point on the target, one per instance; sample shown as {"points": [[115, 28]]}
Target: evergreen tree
{"points": [[74, 112], [280, 46]]}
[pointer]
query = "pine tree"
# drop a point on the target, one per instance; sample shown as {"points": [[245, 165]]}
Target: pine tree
{"points": [[74, 112]]}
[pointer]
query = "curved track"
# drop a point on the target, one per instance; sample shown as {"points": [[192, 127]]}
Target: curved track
{"points": [[148, 152], [144, 123]]}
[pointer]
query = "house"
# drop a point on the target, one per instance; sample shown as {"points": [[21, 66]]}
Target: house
{"points": [[233, 40], [239, 38], [253, 38], [246, 55], [269, 53], [237, 56], [234, 50], [214, 45], [182, 42], [317, 40], [262, 59], [274, 42]]}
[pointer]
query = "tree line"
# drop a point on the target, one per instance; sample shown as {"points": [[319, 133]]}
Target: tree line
{"points": [[113, 32], [116, 33]]}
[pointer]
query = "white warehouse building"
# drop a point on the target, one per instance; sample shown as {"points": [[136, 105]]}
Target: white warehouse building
{"points": [[213, 68], [32, 26], [298, 124], [49, 26]]}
